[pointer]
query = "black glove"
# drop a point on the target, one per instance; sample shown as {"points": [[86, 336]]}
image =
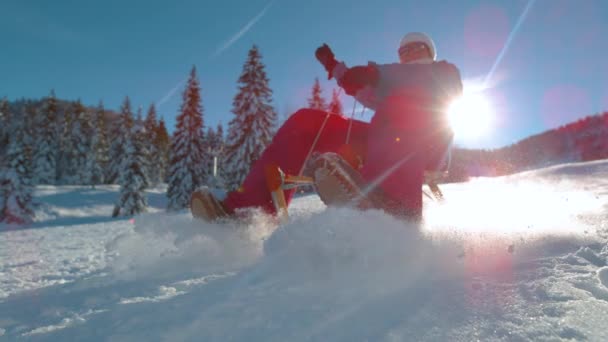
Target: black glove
{"points": [[327, 58], [358, 77]]}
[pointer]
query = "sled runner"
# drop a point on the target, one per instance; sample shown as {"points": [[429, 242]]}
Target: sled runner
{"points": [[277, 181]]}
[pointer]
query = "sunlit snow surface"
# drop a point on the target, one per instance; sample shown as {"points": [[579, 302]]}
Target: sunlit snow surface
{"points": [[513, 258]]}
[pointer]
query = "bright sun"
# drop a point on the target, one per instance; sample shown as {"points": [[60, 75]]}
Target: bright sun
{"points": [[471, 116]]}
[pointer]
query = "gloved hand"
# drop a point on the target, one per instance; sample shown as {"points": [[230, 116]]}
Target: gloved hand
{"points": [[327, 59]]}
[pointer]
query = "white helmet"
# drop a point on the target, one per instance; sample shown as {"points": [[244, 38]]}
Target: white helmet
{"points": [[418, 37]]}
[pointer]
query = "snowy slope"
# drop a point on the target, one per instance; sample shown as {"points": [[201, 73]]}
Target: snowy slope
{"points": [[518, 258]]}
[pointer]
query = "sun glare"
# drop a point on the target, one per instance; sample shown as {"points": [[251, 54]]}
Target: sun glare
{"points": [[471, 116]]}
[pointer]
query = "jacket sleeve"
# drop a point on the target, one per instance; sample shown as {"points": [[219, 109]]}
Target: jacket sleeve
{"points": [[453, 81], [356, 78]]}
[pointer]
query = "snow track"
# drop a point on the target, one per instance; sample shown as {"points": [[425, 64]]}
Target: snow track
{"points": [[514, 258]]}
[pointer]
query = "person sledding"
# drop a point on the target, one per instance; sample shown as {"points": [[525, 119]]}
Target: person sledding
{"points": [[383, 166]]}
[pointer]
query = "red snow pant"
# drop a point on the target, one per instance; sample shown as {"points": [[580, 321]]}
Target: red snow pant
{"points": [[390, 161]]}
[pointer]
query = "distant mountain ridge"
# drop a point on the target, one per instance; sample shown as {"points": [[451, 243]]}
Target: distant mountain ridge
{"points": [[583, 140]]}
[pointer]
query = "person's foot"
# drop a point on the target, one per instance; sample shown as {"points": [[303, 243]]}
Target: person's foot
{"points": [[337, 183], [206, 206]]}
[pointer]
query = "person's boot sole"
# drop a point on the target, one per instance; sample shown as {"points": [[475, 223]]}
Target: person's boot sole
{"points": [[205, 206], [336, 182]]}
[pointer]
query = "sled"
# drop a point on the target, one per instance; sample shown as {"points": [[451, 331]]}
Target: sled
{"points": [[437, 194], [278, 181]]}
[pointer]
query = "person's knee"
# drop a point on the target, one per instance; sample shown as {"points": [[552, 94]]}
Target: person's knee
{"points": [[305, 118]]}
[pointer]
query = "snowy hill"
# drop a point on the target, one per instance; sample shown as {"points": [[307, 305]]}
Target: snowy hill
{"points": [[583, 140], [523, 257]]}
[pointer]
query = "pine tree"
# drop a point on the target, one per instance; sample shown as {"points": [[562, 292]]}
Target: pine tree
{"points": [[139, 137], [151, 127], [121, 130], [98, 157], [163, 144], [186, 166], [219, 134], [151, 123], [138, 117], [81, 143], [5, 126], [31, 120], [316, 101], [218, 146], [133, 180], [209, 139], [64, 134], [250, 131], [16, 200], [215, 147], [335, 106], [46, 145]]}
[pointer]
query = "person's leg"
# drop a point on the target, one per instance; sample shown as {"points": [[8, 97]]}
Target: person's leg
{"points": [[396, 158], [409, 193], [394, 173], [289, 149]]}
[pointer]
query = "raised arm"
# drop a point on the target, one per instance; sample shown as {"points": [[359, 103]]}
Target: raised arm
{"points": [[352, 80]]}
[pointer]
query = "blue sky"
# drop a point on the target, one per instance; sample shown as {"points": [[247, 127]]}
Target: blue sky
{"points": [[554, 71]]}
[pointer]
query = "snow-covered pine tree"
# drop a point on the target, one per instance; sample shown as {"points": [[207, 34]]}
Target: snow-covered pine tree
{"points": [[219, 135], [139, 140], [138, 118], [120, 131], [45, 152], [209, 153], [316, 100], [31, 120], [150, 127], [133, 180], [5, 121], [98, 157], [250, 131], [16, 189], [187, 165], [81, 143], [64, 134], [215, 145], [335, 106], [218, 147], [163, 144], [5, 126]]}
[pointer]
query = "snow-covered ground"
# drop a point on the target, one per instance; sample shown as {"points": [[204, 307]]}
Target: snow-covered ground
{"points": [[516, 258]]}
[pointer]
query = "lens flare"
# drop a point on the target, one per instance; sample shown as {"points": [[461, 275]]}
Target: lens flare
{"points": [[471, 116]]}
